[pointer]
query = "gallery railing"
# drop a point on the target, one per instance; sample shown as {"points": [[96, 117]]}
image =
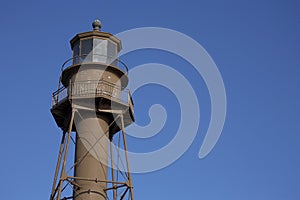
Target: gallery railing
{"points": [[92, 89]]}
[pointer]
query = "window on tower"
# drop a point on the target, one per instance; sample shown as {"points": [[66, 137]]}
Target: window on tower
{"points": [[95, 50], [86, 53], [112, 53], [76, 53], [100, 47]]}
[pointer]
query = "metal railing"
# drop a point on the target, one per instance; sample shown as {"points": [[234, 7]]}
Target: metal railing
{"points": [[92, 89], [85, 59], [59, 95]]}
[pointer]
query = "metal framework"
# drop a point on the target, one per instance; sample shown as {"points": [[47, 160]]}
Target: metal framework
{"points": [[119, 186]]}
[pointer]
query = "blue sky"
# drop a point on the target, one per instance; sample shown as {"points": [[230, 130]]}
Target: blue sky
{"points": [[255, 45]]}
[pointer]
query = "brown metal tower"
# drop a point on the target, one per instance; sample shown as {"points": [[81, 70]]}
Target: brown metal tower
{"points": [[92, 107]]}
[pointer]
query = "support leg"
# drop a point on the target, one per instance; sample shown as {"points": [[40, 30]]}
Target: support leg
{"points": [[126, 155], [63, 170], [60, 153]]}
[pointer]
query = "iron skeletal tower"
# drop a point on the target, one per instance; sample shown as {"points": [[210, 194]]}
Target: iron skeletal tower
{"points": [[92, 107]]}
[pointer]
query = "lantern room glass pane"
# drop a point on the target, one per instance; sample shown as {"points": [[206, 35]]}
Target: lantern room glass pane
{"points": [[112, 53], [86, 50], [76, 53], [100, 51], [95, 50]]}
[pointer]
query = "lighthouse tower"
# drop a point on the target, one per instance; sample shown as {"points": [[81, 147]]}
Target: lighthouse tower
{"points": [[92, 106]]}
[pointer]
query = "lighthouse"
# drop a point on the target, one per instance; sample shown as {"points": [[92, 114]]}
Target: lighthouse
{"points": [[92, 106]]}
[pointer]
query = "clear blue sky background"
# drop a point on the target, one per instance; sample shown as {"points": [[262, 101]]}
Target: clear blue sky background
{"points": [[256, 46]]}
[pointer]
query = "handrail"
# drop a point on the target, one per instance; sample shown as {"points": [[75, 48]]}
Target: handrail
{"points": [[56, 96], [84, 55], [98, 81], [91, 88], [130, 102]]}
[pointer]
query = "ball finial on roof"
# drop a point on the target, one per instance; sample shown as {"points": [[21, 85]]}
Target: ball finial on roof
{"points": [[97, 25]]}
